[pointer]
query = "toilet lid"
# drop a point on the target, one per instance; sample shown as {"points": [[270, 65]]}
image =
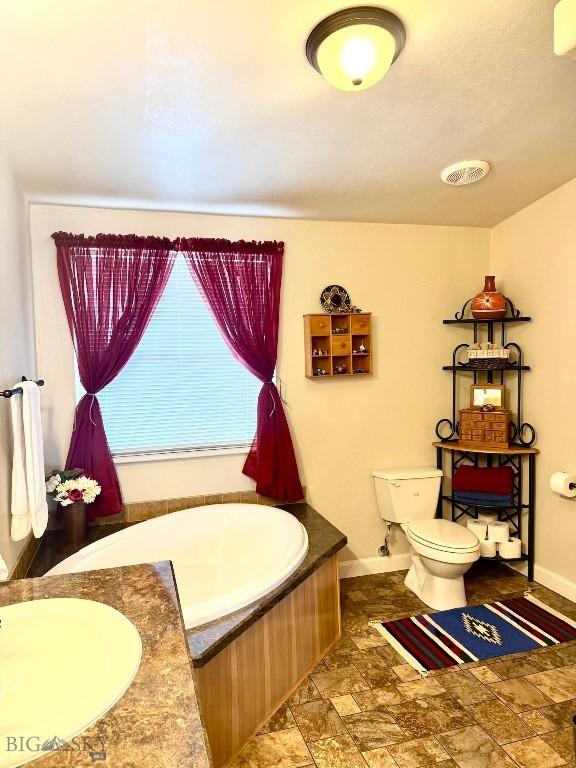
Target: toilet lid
{"points": [[443, 534]]}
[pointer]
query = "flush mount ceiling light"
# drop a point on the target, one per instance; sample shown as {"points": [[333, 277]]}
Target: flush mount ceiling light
{"points": [[466, 172], [354, 48], [565, 28]]}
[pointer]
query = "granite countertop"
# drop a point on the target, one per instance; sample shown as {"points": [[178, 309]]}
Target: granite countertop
{"points": [[324, 541], [157, 721]]}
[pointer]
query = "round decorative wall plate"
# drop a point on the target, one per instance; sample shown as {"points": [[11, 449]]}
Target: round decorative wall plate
{"points": [[334, 298]]}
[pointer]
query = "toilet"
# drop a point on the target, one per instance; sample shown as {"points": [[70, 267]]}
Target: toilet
{"points": [[442, 551]]}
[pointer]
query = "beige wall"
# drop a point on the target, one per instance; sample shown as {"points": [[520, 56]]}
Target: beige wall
{"points": [[534, 259], [16, 357], [410, 277]]}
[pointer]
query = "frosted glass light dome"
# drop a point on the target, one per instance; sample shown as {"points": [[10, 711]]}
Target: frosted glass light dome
{"points": [[356, 58], [354, 48]]}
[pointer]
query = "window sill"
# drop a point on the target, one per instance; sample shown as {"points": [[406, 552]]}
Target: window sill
{"points": [[193, 453]]}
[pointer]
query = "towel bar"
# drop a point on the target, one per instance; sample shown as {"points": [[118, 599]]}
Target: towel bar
{"points": [[18, 390]]}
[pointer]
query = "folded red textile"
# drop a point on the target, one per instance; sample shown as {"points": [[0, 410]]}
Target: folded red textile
{"points": [[484, 479]]}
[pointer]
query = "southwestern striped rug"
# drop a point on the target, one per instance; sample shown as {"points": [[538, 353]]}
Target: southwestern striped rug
{"points": [[438, 640]]}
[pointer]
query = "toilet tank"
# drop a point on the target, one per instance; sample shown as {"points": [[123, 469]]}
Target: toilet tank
{"points": [[406, 494]]}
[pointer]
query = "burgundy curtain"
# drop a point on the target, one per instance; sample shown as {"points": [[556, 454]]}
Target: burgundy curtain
{"points": [[241, 284], [110, 285]]}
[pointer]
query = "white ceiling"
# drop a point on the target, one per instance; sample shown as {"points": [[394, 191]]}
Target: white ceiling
{"points": [[205, 106]]}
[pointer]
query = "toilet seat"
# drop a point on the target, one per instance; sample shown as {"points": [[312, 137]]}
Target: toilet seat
{"points": [[443, 540], [443, 534]]}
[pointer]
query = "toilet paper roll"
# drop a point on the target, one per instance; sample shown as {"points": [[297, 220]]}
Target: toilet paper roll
{"points": [[560, 482], [487, 548], [478, 528], [510, 548], [488, 517], [498, 532]]}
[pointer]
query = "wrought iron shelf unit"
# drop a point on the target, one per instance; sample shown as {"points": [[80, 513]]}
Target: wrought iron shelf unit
{"points": [[520, 454]]}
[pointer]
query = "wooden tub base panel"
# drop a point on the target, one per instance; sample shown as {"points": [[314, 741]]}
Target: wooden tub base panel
{"points": [[249, 680]]}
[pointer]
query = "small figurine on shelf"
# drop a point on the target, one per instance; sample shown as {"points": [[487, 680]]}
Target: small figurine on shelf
{"points": [[341, 368], [315, 353], [362, 348], [355, 310], [359, 370], [320, 372]]}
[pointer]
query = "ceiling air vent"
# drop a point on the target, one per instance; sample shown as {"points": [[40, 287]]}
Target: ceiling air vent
{"points": [[466, 172]]}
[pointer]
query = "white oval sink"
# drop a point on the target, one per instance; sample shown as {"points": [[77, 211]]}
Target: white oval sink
{"points": [[63, 664]]}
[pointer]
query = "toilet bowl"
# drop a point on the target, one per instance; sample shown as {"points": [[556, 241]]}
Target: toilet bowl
{"points": [[441, 551]]}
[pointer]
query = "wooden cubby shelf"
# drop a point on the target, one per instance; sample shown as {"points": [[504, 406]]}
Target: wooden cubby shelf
{"points": [[337, 339]]}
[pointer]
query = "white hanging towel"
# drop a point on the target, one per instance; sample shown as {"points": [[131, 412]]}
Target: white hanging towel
{"points": [[3, 570], [29, 505]]}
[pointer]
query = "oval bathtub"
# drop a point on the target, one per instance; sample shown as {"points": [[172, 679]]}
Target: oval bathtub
{"points": [[225, 556]]}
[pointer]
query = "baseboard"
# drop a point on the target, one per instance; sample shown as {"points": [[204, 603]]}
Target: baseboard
{"points": [[556, 583], [369, 565], [553, 581]]}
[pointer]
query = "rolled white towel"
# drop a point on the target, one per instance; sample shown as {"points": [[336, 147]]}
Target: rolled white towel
{"points": [[3, 569]]}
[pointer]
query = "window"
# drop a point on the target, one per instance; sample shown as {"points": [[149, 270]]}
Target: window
{"points": [[182, 389]]}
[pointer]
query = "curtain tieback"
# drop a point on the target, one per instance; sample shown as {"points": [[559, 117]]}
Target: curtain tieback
{"points": [[271, 398], [93, 396]]}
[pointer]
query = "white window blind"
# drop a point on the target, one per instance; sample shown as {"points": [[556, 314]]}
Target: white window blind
{"points": [[182, 388]]}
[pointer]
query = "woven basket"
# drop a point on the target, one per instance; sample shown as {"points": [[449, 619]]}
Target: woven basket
{"points": [[488, 363]]}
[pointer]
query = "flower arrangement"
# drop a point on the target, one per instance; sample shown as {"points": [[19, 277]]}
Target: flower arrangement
{"points": [[71, 486]]}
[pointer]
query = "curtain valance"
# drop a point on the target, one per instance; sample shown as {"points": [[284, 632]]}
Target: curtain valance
{"points": [[213, 245], [150, 243], [67, 239]]}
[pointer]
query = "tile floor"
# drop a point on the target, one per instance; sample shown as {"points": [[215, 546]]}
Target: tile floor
{"points": [[364, 707]]}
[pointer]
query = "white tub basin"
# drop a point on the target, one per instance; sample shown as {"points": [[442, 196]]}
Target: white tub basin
{"points": [[225, 556], [63, 664]]}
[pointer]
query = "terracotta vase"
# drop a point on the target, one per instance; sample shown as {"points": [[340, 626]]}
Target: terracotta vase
{"points": [[74, 519], [490, 304]]}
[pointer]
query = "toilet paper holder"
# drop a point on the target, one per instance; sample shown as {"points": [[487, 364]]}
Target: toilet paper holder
{"points": [[563, 483]]}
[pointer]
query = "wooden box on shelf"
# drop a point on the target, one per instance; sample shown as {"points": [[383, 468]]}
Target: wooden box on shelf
{"points": [[338, 345], [484, 429]]}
